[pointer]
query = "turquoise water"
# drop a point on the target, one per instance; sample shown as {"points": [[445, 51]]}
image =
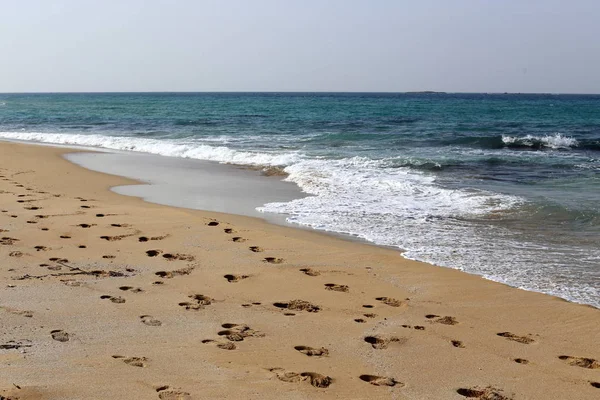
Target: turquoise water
{"points": [[504, 186]]}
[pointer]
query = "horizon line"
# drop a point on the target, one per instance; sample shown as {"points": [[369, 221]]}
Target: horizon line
{"points": [[298, 92]]}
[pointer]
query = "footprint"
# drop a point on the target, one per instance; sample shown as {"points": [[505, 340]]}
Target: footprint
{"points": [[447, 320], [238, 239], [488, 393], [228, 230], [65, 237], [213, 223], [315, 379], [86, 225], [237, 332], [582, 362], [118, 300], [336, 288], [235, 278], [166, 393], [130, 288], [199, 302], [457, 343], [222, 345], [380, 380], [309, 351], [114, 238], [382, 342], [172, 274], [108, 256], [273, 260], [149, 320], [516, 338], [133, 361], [521, 361], [177, 256], [59, 335], [360, 321], [595, 384], [40, 248], [390, 301], [153, 253], [417, 327], [16, 254], [256, 249], [370, 315], [298, 305]]}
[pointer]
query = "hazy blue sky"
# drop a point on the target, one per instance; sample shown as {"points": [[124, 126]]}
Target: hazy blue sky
{"points": [[300, 45]]}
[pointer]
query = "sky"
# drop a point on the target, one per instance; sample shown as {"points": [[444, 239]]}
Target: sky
{"points": [[539, 46]]}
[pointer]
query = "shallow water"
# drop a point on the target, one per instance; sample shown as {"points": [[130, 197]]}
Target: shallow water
{"points": [[505, 186]]}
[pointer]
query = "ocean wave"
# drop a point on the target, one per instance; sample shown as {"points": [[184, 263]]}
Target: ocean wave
{"points": [[556, 141], [183, 148]]}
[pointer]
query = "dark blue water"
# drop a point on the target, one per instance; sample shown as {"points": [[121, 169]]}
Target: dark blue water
{"points": [[505, 186]]}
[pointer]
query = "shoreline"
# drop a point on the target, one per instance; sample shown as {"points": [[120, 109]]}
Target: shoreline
{"points": [[462, 315]]}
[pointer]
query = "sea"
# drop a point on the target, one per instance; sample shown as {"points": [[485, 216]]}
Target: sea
{"points": [[506, 186]]}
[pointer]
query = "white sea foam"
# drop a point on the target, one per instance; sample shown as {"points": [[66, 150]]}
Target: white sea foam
{"points": [[556, 141]]}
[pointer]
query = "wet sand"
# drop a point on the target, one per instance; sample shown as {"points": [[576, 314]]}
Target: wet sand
{"points": [[105, 296]]}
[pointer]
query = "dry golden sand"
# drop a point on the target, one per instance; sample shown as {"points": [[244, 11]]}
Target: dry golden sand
{"points": [[108, 297]]}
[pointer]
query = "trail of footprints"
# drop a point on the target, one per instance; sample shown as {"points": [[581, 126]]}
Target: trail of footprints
{"points": [[236, 333]]}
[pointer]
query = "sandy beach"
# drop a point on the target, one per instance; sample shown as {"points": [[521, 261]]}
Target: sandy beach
{"points": [[105, 296]]}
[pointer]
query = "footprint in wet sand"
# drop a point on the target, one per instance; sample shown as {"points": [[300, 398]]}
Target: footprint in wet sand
{"points": [[235, 278], [336, 288], [298, 305], [238, 239], [447, 320], [199, 301], [516, 338], [59, 335], [133, 361], [390, 301], [273, 260], [380, 380], [521, 361], [117, 300], [16, 254], [228, 230], [582, 362], [315, 379], [150, 320], [153, 253], [488, 393], [382, 342], [255, 249], [457, 343], [166, 393], [312, 352]]}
